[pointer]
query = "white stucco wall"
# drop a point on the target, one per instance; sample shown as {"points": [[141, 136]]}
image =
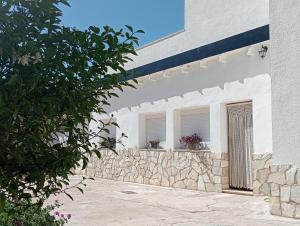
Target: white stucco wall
{"points": [[239, 66], [285, 61], [255, 89], [242, 78], [207, 21]]}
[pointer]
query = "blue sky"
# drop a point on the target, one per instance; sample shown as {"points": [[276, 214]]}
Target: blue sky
{"points": [[157, 18]]}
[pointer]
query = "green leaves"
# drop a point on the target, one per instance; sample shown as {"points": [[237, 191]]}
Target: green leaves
{"points": [[98, 154], [25, 196], [67, 194], [129, 28], [94, 29], [65, 2], [80, 189], [54, 80], [2, 202], [30, 215]]}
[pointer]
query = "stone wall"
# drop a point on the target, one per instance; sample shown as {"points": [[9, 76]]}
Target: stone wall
{"points": [[285, 190], [196, 170], [261, 164]]}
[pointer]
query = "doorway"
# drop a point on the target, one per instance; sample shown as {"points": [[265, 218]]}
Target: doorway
{"points": [[240, 145]]}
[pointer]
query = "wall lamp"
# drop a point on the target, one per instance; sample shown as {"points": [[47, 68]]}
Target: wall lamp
{"points": [[263, 51]]}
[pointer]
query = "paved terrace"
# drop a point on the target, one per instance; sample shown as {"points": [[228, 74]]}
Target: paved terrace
{"points": [[114, 203]]}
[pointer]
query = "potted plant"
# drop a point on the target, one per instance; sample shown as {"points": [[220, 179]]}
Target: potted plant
{"points": [[191, 142], [154, 144]]}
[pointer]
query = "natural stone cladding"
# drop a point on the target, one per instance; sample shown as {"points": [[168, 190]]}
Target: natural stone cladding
{"points": [[285, 190], [196, 170], [261, 164]]}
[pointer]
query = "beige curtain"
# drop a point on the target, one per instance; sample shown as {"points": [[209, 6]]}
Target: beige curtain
{"points": [[240, 124]]}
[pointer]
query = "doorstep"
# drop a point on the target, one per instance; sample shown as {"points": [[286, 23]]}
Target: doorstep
{"points": [[238, 192]]}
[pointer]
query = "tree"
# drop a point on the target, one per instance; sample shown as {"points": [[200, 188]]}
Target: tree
{"points": [[52, 78]]}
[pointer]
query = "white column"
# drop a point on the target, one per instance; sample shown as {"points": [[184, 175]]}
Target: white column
{"points": [[173, 125], [218, 127], [141, 131]]}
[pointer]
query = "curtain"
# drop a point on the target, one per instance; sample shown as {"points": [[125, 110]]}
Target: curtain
{"points": [[240, 135]]}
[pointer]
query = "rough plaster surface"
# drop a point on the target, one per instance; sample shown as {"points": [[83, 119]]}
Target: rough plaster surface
{"points": [[285, 61], [107, 203], [195, 90]]}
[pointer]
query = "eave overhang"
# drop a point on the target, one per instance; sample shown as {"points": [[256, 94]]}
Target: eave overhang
{"points": [[232, 43]]}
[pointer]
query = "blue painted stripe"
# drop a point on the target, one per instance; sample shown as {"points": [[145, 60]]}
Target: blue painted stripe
{"points": [[241, 40]]}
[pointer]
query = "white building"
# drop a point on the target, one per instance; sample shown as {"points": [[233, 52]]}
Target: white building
{"points": [[217, 78]]}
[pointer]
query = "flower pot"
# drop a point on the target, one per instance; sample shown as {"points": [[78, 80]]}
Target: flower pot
{"points": [[154, 144], [192, 146]]}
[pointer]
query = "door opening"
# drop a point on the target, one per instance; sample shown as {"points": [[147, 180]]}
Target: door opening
{"points": [[240, 145]]}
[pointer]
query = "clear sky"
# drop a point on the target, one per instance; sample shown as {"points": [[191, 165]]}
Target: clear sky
{"points": [[157, 18]]}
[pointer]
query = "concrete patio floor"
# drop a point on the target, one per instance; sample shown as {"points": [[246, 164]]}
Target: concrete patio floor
{"points": [[115, 203]]}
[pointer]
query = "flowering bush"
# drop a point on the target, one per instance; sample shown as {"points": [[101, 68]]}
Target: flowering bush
{"points": [[28, 215], [54, 81], [59, 216], [191, 142]]}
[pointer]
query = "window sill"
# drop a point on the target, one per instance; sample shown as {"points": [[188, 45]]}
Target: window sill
{"points": [[192, 151], [151, 149]]}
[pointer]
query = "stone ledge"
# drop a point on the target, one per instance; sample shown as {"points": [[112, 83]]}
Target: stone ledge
{"points": [[151, 149], [192, 151]]}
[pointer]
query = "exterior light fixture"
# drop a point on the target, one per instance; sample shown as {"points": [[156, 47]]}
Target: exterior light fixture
{"points": [[263, 51]]}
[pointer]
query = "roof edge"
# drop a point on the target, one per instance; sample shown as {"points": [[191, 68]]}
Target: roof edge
{"points": [[161, 39], [231, 43]]}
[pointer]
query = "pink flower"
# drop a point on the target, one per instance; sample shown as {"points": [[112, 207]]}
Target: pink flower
{"points": [[62, 215], [69, 216], [56, 213]]}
